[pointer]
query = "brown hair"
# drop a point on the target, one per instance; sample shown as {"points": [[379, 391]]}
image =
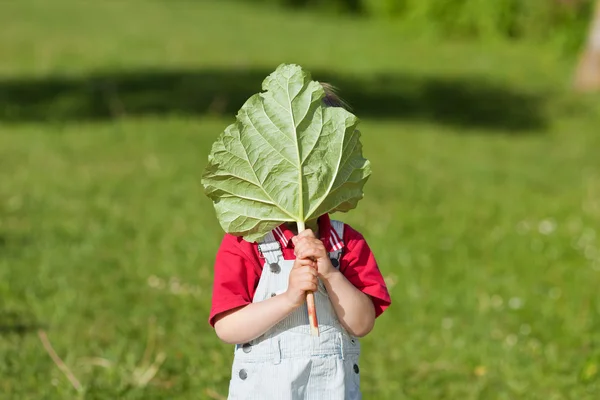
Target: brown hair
{"points": [[331, 98]]}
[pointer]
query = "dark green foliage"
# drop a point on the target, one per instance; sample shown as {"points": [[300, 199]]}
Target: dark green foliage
{"points": [[561, 20]]}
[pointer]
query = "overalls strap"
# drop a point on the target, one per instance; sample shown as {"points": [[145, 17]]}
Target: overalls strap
{"points": [[270, 248], [338, 227], [337, 245]]}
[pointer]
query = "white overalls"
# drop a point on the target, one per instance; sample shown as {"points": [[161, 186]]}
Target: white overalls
{"points": [[287, 362]]}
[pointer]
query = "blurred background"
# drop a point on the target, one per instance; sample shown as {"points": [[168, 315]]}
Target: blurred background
{"points": [[481, 122]]}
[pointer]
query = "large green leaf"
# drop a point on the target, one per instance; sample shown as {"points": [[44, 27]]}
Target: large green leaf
{"points": [[287, 157]]}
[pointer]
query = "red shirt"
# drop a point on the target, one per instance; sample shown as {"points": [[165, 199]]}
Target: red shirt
{"points": [[238, 267]]}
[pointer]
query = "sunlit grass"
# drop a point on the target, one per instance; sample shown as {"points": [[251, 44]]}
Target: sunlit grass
{"points": [[489, 237]]}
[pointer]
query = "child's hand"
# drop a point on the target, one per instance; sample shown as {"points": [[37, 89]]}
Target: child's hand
{"points": [[303, 278], [307, 246]]}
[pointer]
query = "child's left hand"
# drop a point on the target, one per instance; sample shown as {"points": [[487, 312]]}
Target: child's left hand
{"points": [[306, 245]]}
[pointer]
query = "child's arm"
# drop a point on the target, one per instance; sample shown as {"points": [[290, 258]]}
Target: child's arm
{"points": [[354, 309], [245, 323]]}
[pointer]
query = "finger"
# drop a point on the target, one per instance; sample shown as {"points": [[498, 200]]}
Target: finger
{"points": [[298, 246], [303, 240], [300, 263], [307, 233], [307, 283], [311, 252], [308, 270], [305, 273], [309, 287], [305, 263], [306, 253], [300, 243], [303, 243]]}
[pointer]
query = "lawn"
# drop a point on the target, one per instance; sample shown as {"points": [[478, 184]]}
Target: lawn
{"points": [[483, 208]]}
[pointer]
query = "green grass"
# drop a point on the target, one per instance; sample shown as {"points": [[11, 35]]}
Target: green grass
{"points": [[483, 208]]}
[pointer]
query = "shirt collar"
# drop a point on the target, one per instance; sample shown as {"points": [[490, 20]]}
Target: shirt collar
{"points": [[329, 236]]}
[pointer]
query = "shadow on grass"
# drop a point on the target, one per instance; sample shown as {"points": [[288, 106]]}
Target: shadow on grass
{"points": [[12, 322], [461, 102]]}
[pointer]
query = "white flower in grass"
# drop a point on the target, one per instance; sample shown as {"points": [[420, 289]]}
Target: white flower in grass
{"points": [[155, 282], [547, 226], [591, 252], [515, 303], [586, 239], [511, 340], [390, 280], [525, 329], [174, 285], [447, 323], [497, 301]]}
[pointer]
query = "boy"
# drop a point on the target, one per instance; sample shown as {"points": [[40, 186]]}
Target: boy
{"points": [[258, 303]]}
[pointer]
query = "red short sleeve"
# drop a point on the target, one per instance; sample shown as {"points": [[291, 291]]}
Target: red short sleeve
{"points": [[236, 273], [359, 266]]}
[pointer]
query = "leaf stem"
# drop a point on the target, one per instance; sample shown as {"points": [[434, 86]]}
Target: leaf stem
{"points": [[310, 298]]}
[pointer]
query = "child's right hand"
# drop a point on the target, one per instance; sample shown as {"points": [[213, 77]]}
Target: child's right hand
{"points": [[303, 278]]}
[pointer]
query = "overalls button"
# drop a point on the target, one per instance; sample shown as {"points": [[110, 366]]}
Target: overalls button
{"points": [[355, 368], [243, 374], [275, 268], [273, 295], [335, 262], [247, 347]]}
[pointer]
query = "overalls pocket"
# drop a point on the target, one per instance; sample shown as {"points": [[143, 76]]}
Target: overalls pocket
{"points": [[244, 379]]}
